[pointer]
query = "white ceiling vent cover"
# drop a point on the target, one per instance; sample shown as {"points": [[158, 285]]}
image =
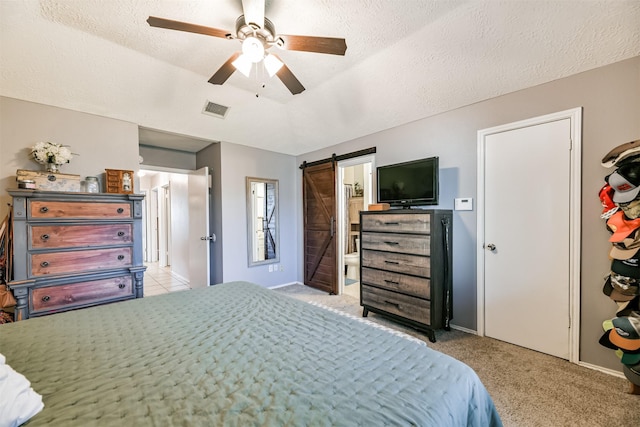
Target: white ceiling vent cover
{"points": [[215, 110]]}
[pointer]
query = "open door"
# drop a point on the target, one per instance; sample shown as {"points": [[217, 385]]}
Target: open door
{"points": [[319, 198], [199, 237]]}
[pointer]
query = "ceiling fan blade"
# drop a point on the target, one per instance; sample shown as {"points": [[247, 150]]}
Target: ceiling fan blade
{"points": [[330, 45], [225, 71], [254, 12], [289, 80], [185, 26]]}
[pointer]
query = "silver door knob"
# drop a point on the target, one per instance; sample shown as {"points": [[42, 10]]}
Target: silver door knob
{"points": [[491, 247]]}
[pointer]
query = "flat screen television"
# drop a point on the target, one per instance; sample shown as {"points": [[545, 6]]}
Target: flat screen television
{"points": [[410, 183]]}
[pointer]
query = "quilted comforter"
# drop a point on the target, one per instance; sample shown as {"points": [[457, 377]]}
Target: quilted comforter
{"points": [[236, 354]]}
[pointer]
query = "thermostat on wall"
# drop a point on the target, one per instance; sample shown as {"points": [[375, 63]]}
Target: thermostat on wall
{"points": [[463, 204]]}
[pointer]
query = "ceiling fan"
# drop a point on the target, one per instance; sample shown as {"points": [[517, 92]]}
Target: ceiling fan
{"points": [[257, 35]]}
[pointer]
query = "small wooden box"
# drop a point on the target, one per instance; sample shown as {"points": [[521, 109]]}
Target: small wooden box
{"points": [[379, 207], [50, 181], [119, 181]]}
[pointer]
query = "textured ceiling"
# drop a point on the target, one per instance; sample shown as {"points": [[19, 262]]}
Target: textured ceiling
{"points": [[405, 60]]}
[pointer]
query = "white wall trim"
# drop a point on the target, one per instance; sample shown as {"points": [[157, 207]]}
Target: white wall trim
{"points": [[575, 116], [465, 330], [285, 284], [603, 370]]}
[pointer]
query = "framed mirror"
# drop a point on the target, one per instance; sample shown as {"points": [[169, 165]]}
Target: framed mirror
{"points": [[263, 244]]}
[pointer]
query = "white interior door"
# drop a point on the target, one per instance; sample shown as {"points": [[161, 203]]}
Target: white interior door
{"points": [[199, 237], [527, 175]]}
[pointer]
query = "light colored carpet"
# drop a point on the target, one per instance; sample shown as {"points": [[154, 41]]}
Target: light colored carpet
{"points": [[528, 388]]}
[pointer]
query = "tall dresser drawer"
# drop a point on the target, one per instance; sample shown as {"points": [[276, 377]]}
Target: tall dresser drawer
{"points": [[392, 302], [401, 263], [67, 296], [418, 286], [41, 209], [78, 236], [404, 243], [397, 223], [79, 261]]}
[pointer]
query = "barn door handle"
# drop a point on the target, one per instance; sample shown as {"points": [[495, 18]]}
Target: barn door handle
{"points": [[332, 230]]}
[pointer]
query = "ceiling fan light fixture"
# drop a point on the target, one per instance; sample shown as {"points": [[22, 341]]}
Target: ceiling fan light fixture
{"points": [[253, 49], [272, 64], [243, 64]]}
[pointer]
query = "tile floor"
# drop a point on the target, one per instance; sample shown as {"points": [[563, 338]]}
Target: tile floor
{"points": [[160, 280], [352, 290]]}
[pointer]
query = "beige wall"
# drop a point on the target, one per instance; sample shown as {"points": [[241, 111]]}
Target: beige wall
{"points": [[99, 142], [610, 97]]}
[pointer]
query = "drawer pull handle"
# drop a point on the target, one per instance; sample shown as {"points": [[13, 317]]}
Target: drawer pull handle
{"points": [[120, 233], [391, 223], [392, 262], [120, 210], [44, 264], [392, 243], [45, 237], [396, 305], [120, 257], [121, 285], [44, 209], [392, 282], [46, 298]]}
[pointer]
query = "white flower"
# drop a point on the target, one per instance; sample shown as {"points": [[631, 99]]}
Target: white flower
{"points": [[49, 152]]}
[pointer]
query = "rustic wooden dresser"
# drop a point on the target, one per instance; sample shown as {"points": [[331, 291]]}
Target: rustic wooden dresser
{"points": [[405, 266], [74, 250]]}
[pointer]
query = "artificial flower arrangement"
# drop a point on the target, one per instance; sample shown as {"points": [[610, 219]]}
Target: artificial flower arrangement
{"points": [[50, 153]]}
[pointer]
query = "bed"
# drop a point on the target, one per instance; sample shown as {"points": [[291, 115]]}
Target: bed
{"points": [[236, 354]]}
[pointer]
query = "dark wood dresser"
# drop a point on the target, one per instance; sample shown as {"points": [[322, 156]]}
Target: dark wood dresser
{"points": [[405, 266], [74, 250]]}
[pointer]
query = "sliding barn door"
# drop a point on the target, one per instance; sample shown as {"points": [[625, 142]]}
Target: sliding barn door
{"points": [[320, 248]]}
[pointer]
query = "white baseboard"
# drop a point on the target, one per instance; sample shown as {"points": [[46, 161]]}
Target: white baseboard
{"points": [[283, 285], [601, 369], [461, 329]]}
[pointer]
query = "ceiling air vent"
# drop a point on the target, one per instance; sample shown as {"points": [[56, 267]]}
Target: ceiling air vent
{"points": [[215, 110]]}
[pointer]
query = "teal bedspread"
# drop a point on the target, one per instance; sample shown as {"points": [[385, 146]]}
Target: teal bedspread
{"points": [[236, 354]]}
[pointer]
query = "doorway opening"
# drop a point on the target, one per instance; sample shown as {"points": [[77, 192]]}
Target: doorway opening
{"points": [[170, 226], [354, 193]]}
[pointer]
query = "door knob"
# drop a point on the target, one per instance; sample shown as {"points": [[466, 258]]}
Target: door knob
{"points": [[491, 247]]}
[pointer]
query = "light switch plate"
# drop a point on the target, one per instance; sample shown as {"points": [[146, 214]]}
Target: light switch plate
{"points": [[463, 204]]}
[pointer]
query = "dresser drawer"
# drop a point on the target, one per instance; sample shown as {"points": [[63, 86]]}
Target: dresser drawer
{"points": [[401, 305], [402, 243], [418, 286], [397, 223], [41, 209], [400, 263], [79, 261], [77, 236], [76, 294]]}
